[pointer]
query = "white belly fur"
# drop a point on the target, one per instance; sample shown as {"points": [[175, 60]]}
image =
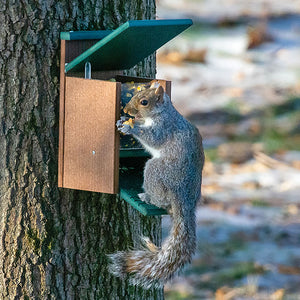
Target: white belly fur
{"points": [[154, 152], [148, 122]]}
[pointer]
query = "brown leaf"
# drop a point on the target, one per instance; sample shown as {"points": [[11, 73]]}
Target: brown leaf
{"points": [[290, 270], [173, 57], [197, 56], [258, 35], [221, 293], [278, 295]]}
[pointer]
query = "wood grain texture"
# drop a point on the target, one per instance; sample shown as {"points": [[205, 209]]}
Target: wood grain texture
{"points": [[90, 145], [61, 113]]}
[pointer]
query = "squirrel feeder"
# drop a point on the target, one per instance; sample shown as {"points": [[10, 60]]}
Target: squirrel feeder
{"points": [[89, 144]]}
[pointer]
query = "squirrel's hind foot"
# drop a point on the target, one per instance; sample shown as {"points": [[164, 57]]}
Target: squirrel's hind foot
{"points": [[144, 197]]}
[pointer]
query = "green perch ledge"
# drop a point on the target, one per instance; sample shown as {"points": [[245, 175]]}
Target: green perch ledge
{"points": [[131, 181]]}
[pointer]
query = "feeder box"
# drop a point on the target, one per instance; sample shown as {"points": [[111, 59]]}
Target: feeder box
{"points": [[92, 92]]}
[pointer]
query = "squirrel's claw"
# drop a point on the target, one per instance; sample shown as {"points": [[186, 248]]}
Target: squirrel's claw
{"points": [[119, 124], [123, 128]]}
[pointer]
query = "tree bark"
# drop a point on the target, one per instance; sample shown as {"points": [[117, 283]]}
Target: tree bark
{"points": [[54, 241]]}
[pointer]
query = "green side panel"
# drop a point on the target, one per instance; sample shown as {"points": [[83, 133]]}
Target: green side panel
{"points": [[134, 153], [84, 35], [131, 181], [129, 44], [131, 197]]}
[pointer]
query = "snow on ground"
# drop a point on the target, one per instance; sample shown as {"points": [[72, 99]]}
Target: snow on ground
{"points": [[248, 223]]}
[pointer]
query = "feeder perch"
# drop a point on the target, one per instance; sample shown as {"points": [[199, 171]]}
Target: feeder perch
{"points": [[92, 91]]}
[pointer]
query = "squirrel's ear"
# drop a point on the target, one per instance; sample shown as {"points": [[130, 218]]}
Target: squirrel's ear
{"points": [[154, 85], [159, 91]]}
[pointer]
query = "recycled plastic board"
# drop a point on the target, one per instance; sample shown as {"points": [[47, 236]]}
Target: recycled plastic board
{"points": [[126, 46], [131, 196], [131, 181], [91, 143], [84, 35]]}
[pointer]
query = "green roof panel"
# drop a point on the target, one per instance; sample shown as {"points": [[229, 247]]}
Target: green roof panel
{"points": [[85, 35], [126, 46]]}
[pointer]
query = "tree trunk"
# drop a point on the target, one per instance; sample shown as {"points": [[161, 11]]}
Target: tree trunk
{"points": [[54, 241]]}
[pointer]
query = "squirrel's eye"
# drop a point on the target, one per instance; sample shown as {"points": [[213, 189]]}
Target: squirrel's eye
{"points": [[144, 102]]}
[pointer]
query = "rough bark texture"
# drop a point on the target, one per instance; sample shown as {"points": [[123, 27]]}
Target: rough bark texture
{"points": [[54, 241]]}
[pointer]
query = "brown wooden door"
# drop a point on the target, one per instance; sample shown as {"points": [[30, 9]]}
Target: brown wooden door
{"points": [[90, 139]]}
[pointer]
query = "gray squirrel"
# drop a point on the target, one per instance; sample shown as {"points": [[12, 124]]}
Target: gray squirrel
{"points": [[172, 180]]}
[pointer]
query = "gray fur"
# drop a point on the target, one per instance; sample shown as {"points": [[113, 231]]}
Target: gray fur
{"points": [[172, 180]]}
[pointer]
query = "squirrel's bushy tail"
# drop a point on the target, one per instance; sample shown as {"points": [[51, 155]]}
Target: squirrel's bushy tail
{"points": [[153, 266]]}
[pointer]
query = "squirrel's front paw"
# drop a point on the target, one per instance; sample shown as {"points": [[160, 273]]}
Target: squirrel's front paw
{"points": [[119, 124], [123, 128]]}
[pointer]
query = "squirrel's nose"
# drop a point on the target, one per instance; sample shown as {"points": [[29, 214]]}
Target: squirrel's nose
{"points": [[125, 110]]}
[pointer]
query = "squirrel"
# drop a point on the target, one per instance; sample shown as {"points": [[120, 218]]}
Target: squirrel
{"points": [[172, 180]]}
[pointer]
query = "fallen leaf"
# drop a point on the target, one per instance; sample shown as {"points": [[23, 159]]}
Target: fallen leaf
{"points": [[290, 270], [221, 293], [173, 57], [278, 295], [258, 35], [293, 209], [197, 56], [234, 92]]}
